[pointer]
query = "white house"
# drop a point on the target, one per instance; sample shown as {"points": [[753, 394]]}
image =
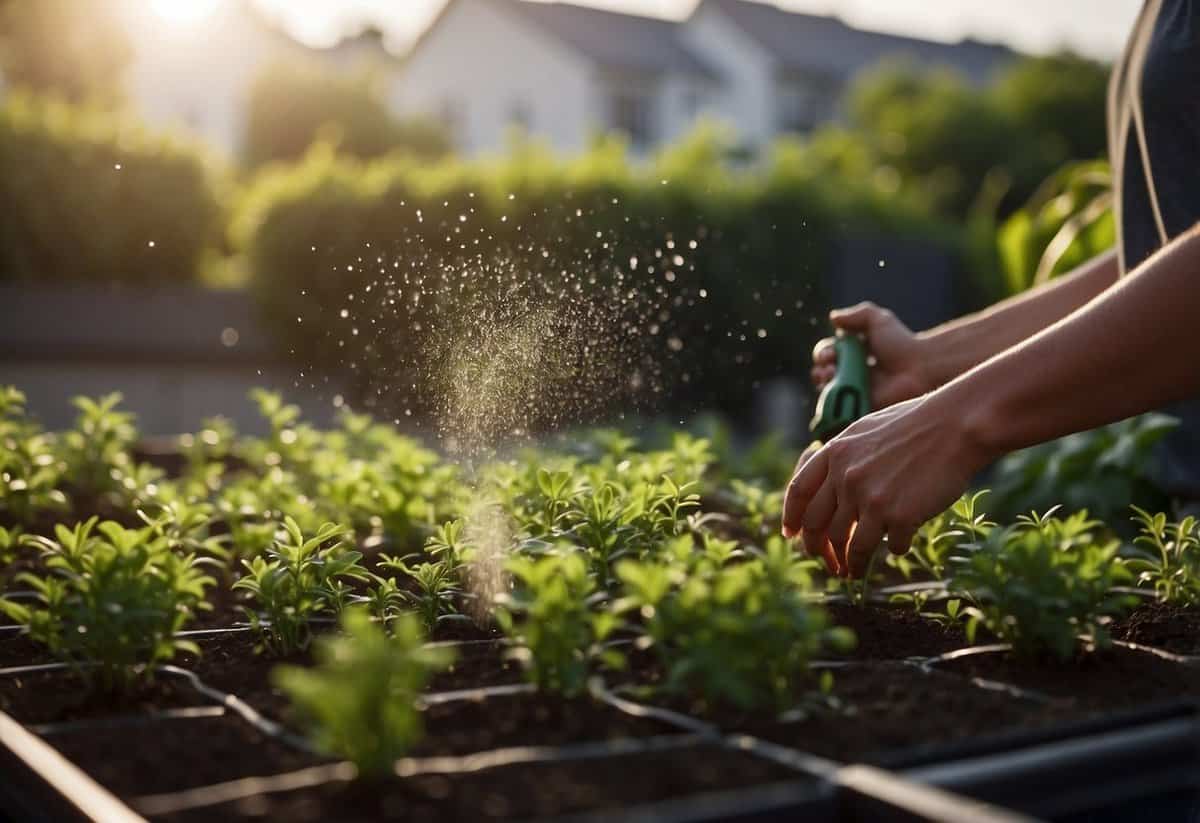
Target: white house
{"points": [[559, 71], [198, 77], [564, 72], [786, 72]]}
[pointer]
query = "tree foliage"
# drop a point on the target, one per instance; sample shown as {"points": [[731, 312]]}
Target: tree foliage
{"points": [[74, 49], [294, 104]]}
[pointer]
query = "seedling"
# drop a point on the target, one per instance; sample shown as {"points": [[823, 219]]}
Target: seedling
{"points": [[552, 615], [359, 702], [1169, 557], [31, 473], [111, 599], [741, 634], [437, 590], [297, 580], [1043, 583]]}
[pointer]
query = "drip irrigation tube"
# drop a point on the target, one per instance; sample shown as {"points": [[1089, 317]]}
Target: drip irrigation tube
{"points": [[411, 767]]}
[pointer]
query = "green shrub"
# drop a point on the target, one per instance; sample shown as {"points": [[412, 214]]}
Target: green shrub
{"points": [[1042, 583], [359, 702], [738, 633], [431, 261], [89, 197], [110, 598], [294, 104], [1167, 557], [298, 579]]}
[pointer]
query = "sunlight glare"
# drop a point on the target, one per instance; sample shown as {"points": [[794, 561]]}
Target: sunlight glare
{"points": [[184, 12]]}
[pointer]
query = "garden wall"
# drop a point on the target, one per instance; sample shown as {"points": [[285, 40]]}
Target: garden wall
{"points": [[178, 354]]}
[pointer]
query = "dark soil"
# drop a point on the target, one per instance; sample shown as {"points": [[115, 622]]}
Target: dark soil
{"points": [[894, 633], [886, 707], [1113, 679], [513, 792], [1172, 628], [890, 706]]}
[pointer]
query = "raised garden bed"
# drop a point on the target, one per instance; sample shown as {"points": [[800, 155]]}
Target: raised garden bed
{"points": [[718, 707]]}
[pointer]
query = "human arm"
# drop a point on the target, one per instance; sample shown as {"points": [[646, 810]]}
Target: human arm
{"points": [[909, 364], [1130, 349]]}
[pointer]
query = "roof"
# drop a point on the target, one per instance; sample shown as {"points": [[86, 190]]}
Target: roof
{"points": [[610, 39], [812, 43]]}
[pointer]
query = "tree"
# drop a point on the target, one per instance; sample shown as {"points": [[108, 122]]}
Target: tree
{"points": [[75, 49], [293, 104]]}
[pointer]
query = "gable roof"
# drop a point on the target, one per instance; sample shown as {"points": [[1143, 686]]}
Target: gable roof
{"points": [[812, 43], [613, 40]]}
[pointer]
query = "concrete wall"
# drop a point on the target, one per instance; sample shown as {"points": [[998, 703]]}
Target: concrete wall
{"points": [[485, 63], [178, 355]]}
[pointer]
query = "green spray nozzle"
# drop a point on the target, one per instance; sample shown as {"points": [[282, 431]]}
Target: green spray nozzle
{"points": [[847, 396]]}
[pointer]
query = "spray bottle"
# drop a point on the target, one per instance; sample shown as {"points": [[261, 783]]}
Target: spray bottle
{"points": [[847, 396]]}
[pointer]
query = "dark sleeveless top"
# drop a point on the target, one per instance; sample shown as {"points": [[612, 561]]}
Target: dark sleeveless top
{"points": [[1154, 147], [1154, 129]]}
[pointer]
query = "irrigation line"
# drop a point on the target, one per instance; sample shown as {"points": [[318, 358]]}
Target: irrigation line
{"points": [[809, 764], [189, 713], [601, 692], [13, 671], [205, 796], [1187, 659], [244, 710], [221, 630], [482, 693]]}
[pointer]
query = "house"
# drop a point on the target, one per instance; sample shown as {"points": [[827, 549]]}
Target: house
{"points": [[786, 72], [562, 72], [565, 72], [198, 77]]}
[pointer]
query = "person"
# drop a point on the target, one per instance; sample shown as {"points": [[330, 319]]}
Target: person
{"points": [[1109, 340]]}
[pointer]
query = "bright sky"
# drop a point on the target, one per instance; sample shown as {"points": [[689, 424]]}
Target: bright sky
{"points": [[1095, 27]]}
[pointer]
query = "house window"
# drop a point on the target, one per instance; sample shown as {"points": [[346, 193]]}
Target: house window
{"points": [[803, 106], [631, 114], [451, 114], [520, 116]]}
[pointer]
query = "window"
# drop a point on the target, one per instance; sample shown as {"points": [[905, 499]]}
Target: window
{"points": [[631, 114], [802, 106], [451, 114], [520, 116]]}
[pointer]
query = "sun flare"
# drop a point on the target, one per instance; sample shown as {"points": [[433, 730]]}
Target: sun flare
{"points": [[184, 12]]}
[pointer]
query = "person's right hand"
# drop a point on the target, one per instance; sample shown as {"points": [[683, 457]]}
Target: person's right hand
{"points": [[897, 372]]}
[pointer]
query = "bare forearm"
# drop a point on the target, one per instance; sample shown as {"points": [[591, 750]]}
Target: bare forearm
{"points": [[1131, 349], [962, 344]]}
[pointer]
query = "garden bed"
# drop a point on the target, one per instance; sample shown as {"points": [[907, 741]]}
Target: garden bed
{"points": [[615, 648]]}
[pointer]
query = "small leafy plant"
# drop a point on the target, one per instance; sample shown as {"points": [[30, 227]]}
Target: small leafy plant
{"points": [[1168, 557], [359, 700], [552, 614], [741, 633], [1042, 583], [298, 579], [111, 599]]}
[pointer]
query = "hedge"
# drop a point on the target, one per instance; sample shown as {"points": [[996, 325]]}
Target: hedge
{"points": [[745, 303], [89, 196]]}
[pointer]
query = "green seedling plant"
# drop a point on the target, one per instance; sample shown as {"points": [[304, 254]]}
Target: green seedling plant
{"points": [[111, 600], [1168, 557], [97, 453], [359, 701], [742, 634], [437, 590], [552, 615], [298, 579], [31, 472], [1043, 583], [10, 545], [936, 543]]}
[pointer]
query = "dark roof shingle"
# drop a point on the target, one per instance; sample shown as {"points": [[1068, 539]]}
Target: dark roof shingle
{"points": [[812, 43], [614, 39]]}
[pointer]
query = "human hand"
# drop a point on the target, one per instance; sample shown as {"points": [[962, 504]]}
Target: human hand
{"points": [[887, 473], [897, 371]]}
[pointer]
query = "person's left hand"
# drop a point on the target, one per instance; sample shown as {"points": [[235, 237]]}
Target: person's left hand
{"points": [[887, 473]]}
